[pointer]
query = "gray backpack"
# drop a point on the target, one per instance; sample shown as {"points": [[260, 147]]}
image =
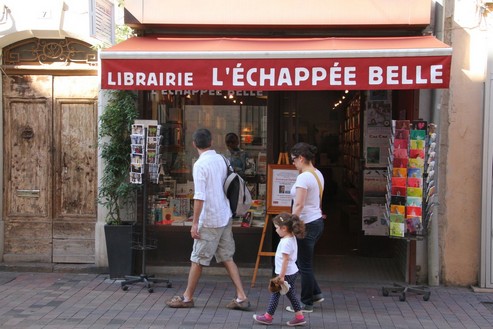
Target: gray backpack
{"points": [[236, 191]]}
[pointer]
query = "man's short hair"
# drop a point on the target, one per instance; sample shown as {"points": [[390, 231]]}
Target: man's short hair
{"points": [[202, 138]]}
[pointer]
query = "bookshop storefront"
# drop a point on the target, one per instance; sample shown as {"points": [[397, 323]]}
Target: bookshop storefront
{"points": [[271, 93]]}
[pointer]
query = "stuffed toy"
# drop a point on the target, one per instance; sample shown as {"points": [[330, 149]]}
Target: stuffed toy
{"points": [[276, 285]]}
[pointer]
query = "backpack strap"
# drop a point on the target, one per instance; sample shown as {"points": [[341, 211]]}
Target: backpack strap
{"points": [[229, 168], [320, 188]]}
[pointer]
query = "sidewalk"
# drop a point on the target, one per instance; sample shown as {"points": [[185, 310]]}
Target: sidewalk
{"points": [[75, 300]]}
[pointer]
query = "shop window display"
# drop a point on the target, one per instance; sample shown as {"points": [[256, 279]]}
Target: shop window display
{"points": [[180, 113]]}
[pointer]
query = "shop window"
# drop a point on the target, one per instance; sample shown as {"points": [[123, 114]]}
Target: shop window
{"points": [[180, 113]]}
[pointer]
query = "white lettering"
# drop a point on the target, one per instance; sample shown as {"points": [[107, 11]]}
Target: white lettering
{"points": [[170, 79], [436, 74], [249, 77], [215, 81], [318, 74], [335, 75], [350, 76], [110, 79], [188, 81], [419, 77], [140, 78], [238, 75], [128, 78], [405, 80], [152, 79], [375, 75], [392, 75], [270, 77], [284, 77], [300, 74]]}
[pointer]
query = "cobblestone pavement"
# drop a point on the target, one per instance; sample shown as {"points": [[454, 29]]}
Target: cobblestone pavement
{"points": [[75, 300]]}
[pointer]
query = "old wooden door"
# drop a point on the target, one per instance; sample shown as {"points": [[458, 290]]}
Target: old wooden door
{"points": [[50, 168]]}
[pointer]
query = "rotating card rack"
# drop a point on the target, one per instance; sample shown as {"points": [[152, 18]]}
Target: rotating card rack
{"points": [[144, 169], [411, 189]]}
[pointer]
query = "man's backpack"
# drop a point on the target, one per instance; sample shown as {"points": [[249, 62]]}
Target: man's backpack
{"points": [[236, 191]]}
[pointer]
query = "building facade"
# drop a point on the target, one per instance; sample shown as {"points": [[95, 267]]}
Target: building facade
{"points": [[44, 220]]}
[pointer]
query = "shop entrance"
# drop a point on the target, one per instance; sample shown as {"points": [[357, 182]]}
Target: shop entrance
{"points": [[343, 252]]}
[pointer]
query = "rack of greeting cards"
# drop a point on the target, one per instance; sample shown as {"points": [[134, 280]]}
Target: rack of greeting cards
{"points": [[144, 169], [411, 186]]}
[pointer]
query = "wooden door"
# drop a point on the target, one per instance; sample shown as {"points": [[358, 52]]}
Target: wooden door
{"points": [[50, 168], [27, 168], [75, 168]]}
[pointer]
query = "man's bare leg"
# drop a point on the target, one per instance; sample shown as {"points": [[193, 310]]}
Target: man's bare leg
{"points": [[193, 280]]}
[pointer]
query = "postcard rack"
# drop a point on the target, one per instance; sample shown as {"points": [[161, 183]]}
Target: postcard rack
{"points": [[144, 157], [411, 189]]}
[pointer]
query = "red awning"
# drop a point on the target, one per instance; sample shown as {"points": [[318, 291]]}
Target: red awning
{"points": [[146, 63]]}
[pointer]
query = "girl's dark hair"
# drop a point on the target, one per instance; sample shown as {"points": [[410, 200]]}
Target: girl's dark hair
{"points": [[305, 150], [294, 224], [202, 138]]}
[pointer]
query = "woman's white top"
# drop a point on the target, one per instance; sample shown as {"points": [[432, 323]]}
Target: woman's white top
{"points": [[306, 180]]}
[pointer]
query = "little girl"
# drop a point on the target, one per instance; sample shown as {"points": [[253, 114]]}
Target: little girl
{"points": [[288, 227]]}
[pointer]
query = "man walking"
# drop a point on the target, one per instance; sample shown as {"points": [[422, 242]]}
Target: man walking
{"points": [[212, 224]]}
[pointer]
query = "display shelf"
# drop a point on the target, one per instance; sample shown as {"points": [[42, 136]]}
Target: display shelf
{"points": [[350, 132]]}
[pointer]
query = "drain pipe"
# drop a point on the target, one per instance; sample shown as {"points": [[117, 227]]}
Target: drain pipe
{"points": [[436, 97]]}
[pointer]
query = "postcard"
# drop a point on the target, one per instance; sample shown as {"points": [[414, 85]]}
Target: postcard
{"points": [[414, 201], [414, 191], [413, 211], [414, 172], [399, 181], [397, 209], [401, 144], [418, 135], [399, 172], [415, 182]]}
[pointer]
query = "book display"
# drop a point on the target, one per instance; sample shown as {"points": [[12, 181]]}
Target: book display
{"points": [[351, 147], [411, 187]]}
